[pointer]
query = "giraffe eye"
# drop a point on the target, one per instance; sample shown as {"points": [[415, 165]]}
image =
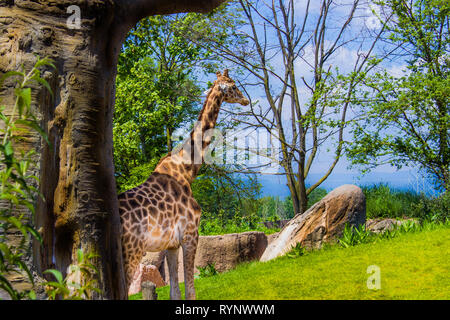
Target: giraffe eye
{"points": [[234, 87]]}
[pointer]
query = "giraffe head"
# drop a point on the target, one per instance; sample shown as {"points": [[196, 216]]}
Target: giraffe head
{"points": [[227, 85]]}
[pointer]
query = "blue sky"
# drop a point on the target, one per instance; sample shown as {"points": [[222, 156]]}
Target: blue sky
{"points": [[407, 178]]}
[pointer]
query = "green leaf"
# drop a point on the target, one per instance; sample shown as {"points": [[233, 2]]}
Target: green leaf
{"points": [[6, 285], [24, 96], [80, 255], [32, 295], [45, 61], [8, 148], [56, 274]]}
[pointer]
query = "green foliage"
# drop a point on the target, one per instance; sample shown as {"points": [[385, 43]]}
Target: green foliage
{"points": [[67, 289], [383, 202], [231, 209], [157, 91], [216, 188], [296, 251], [229, 201], [412, 226], [274, 209], [354, 235], [436, 209], [214, 225], [316, 195], [207, 271], [17, 188], [407, 118]]}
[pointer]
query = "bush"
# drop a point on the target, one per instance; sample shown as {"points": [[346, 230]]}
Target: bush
{"points": [[219, 224], [17, 188], [354, 235], [382, 202], [208, 271], [67, 289], [435, 209]]}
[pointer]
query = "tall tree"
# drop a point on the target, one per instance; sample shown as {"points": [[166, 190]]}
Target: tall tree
{"points": [[158, 87], [407, 117], [77, 174], [288, 50]]}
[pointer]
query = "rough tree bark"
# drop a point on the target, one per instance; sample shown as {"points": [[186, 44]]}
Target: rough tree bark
{"points": [[77, 172]]}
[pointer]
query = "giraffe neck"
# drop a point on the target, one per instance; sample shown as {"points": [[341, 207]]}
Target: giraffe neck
{"points": [[185, 163]]}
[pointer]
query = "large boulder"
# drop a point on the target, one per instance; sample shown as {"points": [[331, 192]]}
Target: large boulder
{"points": [[226, 251], [324, 221]]}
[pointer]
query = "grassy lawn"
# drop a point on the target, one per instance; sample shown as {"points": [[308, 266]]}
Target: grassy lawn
{"points": [[412, 265]]}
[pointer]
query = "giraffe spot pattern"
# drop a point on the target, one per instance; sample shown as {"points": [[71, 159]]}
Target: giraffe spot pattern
{"points": [[162, 208]]}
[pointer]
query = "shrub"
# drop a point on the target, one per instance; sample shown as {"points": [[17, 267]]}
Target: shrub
{"points": [[296, 251], [67, 289], [354, 235], [17, 188], [383, 202], [207, 271], [435, 209]]}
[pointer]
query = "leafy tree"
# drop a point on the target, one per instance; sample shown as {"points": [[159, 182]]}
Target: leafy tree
{"points": [[230, 196], [158, 90], [407, 118], [287, 51], [155, 95]]}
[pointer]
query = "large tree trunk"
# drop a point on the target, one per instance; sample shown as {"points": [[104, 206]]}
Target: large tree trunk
{"points": [[76, 172]]}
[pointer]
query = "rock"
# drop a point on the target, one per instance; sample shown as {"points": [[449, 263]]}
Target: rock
{"points": [[271, 237], [275, 224], [150, 273], [224, 251], [156, 259], [147, 273], [382, 225], [324, 221]]}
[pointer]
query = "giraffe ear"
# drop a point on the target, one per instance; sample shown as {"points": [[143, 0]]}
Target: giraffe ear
{"points": [[218, 74], [225, 73], [207, 92]]}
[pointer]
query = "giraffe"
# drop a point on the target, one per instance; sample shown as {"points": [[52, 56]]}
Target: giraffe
{"points": [[162, 214]]}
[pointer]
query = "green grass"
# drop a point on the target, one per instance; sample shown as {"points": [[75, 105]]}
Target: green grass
{"points": [[413, 266]]}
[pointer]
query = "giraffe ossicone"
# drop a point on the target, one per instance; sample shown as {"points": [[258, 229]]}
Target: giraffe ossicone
{"points": [[161, 213]]}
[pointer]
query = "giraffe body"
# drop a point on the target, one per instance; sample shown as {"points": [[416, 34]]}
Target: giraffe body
{"points": [[162, 214]]}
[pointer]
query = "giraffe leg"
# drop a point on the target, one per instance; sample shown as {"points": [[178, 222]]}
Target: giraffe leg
{"points": [[172, 261], [189, 249]]}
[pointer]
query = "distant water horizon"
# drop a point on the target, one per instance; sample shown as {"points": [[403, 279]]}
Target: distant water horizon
{"points": [[276, 185]]}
